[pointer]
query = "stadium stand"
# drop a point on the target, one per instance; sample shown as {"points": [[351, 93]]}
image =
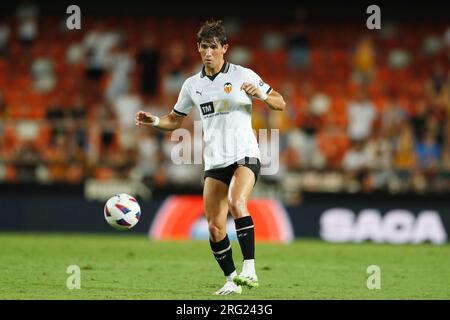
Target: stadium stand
{"points": [[366, 111]]}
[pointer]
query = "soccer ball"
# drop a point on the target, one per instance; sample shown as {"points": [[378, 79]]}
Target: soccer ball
{"points": [[122, 211]]}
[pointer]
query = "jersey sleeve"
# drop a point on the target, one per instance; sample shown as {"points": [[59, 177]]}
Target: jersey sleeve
{"points": [[256, 80], [184, 103]]}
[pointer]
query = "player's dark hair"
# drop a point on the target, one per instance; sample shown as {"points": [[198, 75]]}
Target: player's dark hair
{"points": [[212, 30]]}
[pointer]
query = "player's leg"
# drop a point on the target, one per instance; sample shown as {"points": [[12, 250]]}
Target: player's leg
{"points": [[216, 211], [239, 192]]}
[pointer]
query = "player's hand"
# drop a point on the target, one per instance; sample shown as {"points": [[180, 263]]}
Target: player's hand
{"points": [[144, 118], [251, 90]]}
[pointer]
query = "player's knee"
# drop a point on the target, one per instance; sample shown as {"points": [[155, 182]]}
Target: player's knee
{"points": [[216, 231], [238, 207]]}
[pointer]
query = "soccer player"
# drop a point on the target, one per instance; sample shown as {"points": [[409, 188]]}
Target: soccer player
{"points": [[223, 93]]}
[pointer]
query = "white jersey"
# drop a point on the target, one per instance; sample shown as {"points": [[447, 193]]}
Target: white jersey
{"points": [[225, 111]]}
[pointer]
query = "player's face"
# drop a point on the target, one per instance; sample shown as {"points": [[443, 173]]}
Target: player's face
{"points": [[212, 53]]}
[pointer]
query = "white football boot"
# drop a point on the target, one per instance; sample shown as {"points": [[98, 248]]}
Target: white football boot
{"points": [[249, 280], [229, 288]]}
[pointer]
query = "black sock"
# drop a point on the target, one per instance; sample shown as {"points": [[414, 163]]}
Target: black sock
{"points": [[223, 254], [246, 236]]}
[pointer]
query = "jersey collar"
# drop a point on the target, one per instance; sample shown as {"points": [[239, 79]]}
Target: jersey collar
{"points": [[224, 69]]}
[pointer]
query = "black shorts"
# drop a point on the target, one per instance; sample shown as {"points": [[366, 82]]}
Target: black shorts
{"points": [[225, 174]]}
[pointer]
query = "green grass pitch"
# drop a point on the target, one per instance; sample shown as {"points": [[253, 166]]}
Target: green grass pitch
{"points": [[130, 266]]}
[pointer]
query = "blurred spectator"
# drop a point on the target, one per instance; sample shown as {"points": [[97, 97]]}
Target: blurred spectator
{"points": [[419, 118], [180, 174], [148, 155], [272, 41], [432, 45], [107, 130], [77, 115], [126, 106], [364, 61], [309, 116], [428, 153], [297, 42], [77, 110], [95, 48], [283, 121], [404, 153], [120, 65], [5, 32], [295, 101], [26, 159], [303, 151], [445, 161], [361, 115], [27, 130], [27, 14], [28, 29], [355, 158], [434, 127], [399, 58], [56, 115], [308, 143], [175, 67], [148, 61], [240, 55], [437, 81], [98, 43], [56, 158], [290, 156], [355, 164], [392, 117], [319, 104], [311, 121], [122, 163], [42, 70], [2, 165], [378, 152], [75, 53]]}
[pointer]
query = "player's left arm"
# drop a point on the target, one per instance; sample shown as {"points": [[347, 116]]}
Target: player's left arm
{"points": [[273, 99]]}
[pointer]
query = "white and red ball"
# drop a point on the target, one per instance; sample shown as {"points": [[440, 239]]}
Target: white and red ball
{"points": [[122, 211]]}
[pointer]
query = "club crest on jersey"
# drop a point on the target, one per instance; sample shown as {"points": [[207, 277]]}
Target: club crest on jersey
{"points": [[227, 87]]}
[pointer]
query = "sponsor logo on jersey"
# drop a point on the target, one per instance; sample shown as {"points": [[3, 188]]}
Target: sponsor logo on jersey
{"points": [[207, 108], [227, 87]]}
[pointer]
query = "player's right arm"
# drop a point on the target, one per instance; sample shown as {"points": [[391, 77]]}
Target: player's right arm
{"points": [[168, 122], [172, 120]]}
